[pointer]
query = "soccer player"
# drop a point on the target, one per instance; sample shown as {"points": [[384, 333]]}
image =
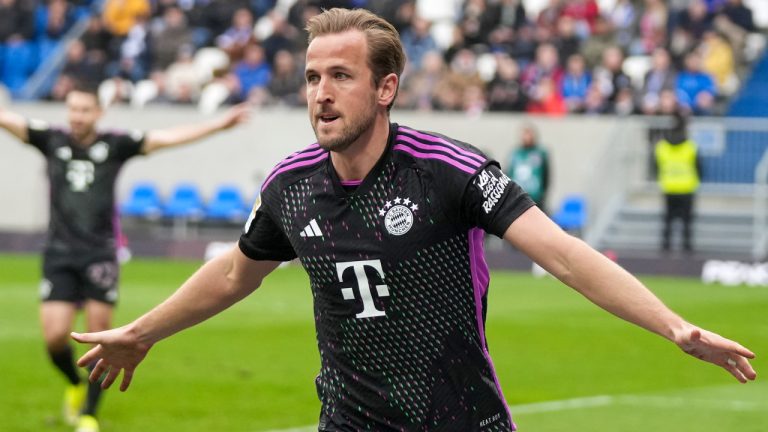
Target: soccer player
{"points": [[388, 222], [79, 263]]}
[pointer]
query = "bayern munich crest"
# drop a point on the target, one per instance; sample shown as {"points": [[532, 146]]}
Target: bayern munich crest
{"points": [[398, 215]]}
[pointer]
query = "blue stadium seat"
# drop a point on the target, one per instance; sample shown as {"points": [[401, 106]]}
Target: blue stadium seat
{"points": [[185, 203], [572, 214], [227, 205], [144, 201]]}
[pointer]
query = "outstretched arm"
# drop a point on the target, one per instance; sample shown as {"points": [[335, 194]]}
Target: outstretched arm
{"points": [[185, 134], [609, 286], [14, 123], [217, 285]]}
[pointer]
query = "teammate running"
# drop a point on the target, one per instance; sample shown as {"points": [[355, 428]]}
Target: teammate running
{"points": [[80, 267], [388, 222]]}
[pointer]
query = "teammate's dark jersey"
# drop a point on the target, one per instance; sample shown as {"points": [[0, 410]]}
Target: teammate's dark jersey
{"points": [[82, 182], [399, 279]]}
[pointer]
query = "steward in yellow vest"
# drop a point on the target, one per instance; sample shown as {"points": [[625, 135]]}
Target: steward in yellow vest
{"points": [[679, 171]]}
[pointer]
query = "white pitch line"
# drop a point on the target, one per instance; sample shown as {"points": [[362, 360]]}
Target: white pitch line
{"points": [[607, 400]]}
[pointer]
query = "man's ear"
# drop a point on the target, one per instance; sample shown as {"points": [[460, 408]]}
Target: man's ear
{"points": [[388, 89]]}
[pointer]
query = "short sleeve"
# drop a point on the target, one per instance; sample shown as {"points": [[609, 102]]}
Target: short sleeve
{"points": [[263, 239], [492, 201], [39, 134], [128, 144]]}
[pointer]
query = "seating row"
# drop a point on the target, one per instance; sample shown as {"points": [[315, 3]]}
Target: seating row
{"points": [[186, 202]]}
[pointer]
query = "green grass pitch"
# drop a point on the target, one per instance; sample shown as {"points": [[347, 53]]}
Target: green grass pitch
{"points": [[564, 364]]}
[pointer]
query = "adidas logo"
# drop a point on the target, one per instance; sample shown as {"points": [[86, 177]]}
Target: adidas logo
{"points": [[311, 230]]}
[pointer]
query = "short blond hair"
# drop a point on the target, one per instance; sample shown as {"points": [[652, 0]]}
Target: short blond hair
{"points": [[385, 51]]}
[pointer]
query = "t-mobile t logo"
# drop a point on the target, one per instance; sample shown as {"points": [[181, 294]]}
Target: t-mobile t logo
{"points": [[363, 286]]}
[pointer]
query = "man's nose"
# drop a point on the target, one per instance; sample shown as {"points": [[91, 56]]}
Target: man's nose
{"points": [[324, 92]]}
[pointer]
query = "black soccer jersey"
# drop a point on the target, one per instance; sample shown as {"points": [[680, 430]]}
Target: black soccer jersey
{"points": [[398, 277], [82, 182]]}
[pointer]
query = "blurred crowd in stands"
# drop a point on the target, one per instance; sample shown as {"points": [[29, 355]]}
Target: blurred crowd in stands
{"points": [[572, 56]]}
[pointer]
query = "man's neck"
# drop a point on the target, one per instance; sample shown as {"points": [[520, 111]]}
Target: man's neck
{"points": [[358, 160], [85, 140]]}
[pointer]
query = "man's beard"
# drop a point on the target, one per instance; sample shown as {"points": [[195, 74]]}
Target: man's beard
{"points": [[349, 134]]}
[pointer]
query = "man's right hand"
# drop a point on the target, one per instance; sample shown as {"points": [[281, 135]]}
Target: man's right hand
{"points": [[116, 350]]}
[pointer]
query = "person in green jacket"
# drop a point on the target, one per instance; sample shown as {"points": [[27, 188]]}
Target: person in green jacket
{"points": [[529, 166]]}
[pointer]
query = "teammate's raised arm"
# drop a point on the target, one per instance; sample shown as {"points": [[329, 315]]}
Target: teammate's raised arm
{"points": [[14, 123], [217, 285], [188, 133], [612, 288]]}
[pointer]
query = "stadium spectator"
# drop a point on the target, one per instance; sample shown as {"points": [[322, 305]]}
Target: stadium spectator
{"points": [[542, 77], [696, 89], [252, 74], [660, 77], [602, 38], [509, 13], [96, 37], [284, 37], [717, 60], [182, 81], [417, 41], [584, 13], [679, 170], [576, 83], [548, 98], [80, 67], [234, 40], [477, 22], [523, 46], [652, 27], [566, 41], [623, 18], [505, 93], [302, 10], [735, 22], [695, 20], [120, 16], [549, 15], [79, 261], [56, 18], [403, 349], [739, 15], [167, 35], [529, 166], [134, 60], [17, 22], [417, 89], [596, 102], [287, 82], [609, 76]]}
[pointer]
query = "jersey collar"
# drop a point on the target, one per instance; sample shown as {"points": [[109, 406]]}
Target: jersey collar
{"points": [[371, 177]]}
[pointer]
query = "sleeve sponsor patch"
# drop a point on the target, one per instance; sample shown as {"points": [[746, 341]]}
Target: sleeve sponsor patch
{"points": [[492, 186], [256, 206], [38, 125]]}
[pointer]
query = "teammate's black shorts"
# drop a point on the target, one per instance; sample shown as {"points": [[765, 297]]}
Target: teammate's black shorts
{"points": [[75, 277]]}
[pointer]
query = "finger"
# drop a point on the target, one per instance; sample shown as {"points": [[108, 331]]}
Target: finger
{"points": [[114, 372], [86, 337], [127, 377], [98, 370], [731, 366], [745, 367], [91, 356], [742, 351]]}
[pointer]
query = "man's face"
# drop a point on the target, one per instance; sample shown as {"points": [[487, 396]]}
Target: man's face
{"points": [[341, 97], [83, 111]]}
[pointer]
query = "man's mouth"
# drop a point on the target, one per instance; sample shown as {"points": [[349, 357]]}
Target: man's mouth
{"points": [[327, 118]]}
